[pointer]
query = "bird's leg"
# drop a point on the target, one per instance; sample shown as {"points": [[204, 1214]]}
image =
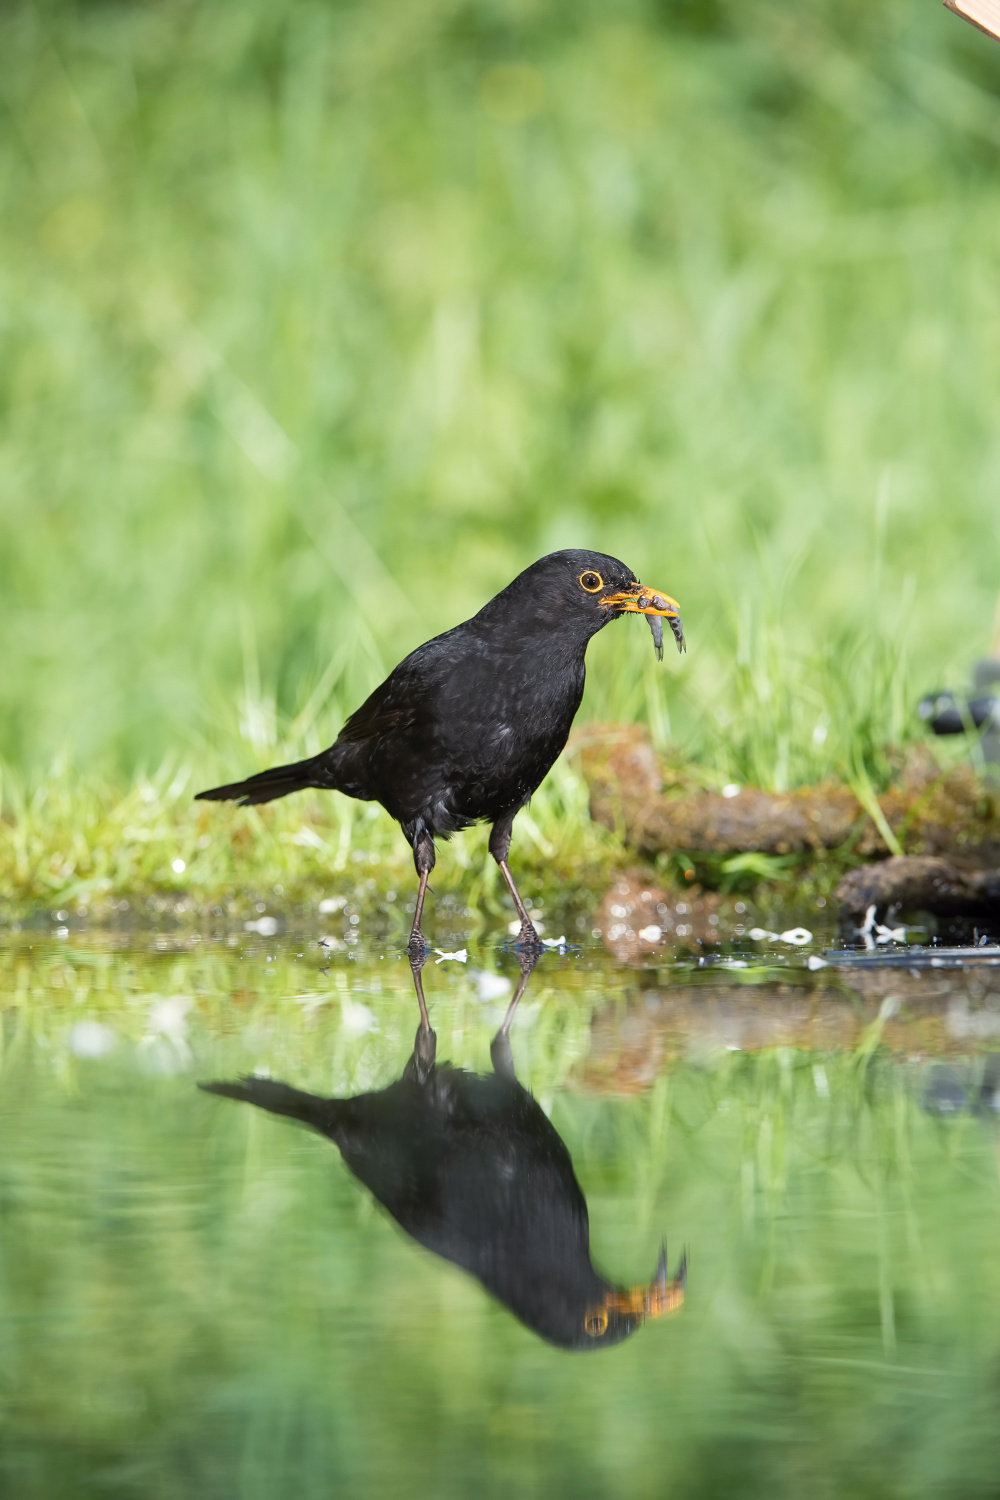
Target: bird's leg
{"points": [[417, 943], [499, 847], [500, 1046], [424, 859], [417, 961], [425, 1042], [500, 1055], [528, 936]]}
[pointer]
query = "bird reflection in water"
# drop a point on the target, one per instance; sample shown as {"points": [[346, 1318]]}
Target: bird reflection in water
{"points": [[472, 1168]]}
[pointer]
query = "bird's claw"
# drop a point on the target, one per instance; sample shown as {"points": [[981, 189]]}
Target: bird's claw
{"points": [[418, 949], [527, 940]]}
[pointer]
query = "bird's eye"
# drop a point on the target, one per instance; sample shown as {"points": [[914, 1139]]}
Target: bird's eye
{"points": [[596, 1322], [591, 582]]}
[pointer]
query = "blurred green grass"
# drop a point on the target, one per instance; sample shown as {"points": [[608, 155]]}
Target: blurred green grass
{"points": [[321, 320]]}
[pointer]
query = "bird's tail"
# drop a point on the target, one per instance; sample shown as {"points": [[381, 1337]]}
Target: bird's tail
{"points": [[276, 782], [279, 1099]]}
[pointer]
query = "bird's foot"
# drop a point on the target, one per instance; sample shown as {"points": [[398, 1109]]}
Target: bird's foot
{"points": [[527, 940], [418, 948]]}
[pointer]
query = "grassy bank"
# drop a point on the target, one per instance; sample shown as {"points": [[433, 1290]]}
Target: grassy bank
{"points": [[86, 849], [82, 848]]}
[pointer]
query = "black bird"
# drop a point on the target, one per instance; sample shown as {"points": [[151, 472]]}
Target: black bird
{"points": [[466, 727], [471, 1168]]}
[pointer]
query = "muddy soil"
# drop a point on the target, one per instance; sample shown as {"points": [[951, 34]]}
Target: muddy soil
{"points": [[927, 811]]}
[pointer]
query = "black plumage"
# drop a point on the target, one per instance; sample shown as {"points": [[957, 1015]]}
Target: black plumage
{"points": [[464, 729], [471, 1168]]}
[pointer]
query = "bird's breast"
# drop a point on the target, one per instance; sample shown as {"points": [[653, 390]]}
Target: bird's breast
{"points": [[487, 734], [514, 734]]}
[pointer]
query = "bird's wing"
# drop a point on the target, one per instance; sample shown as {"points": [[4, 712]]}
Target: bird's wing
{"points": [[407, 695], [392, 707]]}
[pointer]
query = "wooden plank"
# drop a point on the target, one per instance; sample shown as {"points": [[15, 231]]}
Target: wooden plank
{"points": [[983, 14]]}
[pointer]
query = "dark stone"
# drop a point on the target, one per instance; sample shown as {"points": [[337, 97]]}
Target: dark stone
{"points": [[920, 883]]}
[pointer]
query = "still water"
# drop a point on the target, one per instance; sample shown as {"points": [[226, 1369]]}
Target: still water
{"points": [[201, 1298]]}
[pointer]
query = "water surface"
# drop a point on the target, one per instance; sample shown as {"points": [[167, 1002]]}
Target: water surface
{"points": [[197, 1298]]}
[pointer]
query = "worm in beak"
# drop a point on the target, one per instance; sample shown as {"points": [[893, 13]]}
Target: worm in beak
{"points": [[656, 607]]}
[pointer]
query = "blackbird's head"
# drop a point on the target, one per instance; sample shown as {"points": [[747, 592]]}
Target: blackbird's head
{"points": [[622, 1310], [578, 592]]}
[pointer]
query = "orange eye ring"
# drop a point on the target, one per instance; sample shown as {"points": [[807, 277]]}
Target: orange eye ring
{"points": [[591, 581], [596, 1322]]}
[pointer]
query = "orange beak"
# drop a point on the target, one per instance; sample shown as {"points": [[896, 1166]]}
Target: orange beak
{"points": [[637, 600], [641, 601]]}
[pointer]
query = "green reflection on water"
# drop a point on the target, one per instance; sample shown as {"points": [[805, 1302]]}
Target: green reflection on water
{"points": [[198, 1299]]}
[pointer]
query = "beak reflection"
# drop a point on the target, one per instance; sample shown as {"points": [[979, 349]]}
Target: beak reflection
{"points": [[660, 1297], [471, 1167]]}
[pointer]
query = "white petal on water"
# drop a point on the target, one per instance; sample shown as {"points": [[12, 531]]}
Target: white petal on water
{"points": [[169, 1018], [797, 936], [91, 1039], [490, 986], [650, 934], [266, 926], [164, 1046], [357, 1018], [460, 955]]}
